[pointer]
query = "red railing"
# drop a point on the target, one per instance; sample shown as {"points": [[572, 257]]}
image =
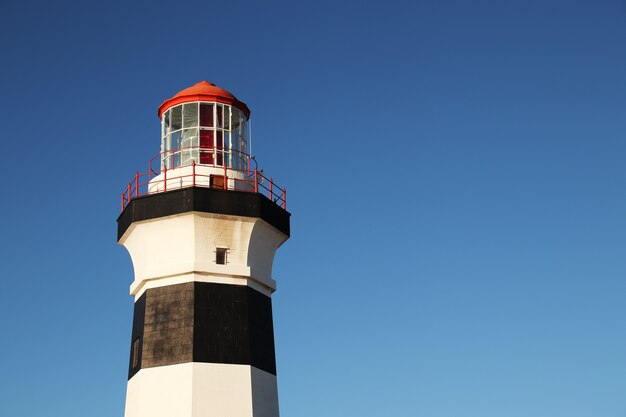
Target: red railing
{"points": [[236, 179]]}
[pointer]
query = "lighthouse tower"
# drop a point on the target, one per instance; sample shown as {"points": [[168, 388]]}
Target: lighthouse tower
{"points": [[202, 226]]}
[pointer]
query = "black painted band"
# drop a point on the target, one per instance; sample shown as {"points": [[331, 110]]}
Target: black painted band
{"points": [[203, 322], [206, 200]]}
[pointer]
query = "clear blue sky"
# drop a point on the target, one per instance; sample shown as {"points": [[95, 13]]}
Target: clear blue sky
{"points": [[455, 171]]}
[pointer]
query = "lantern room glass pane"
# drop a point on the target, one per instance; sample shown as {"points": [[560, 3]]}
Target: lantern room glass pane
{"points": [[174, 143], [206, 147], [228, 152], [166, 123], [227, 117], [219, 144], [174, 149], [177, 118], [189, 144], [239, 126], [206, 115], [220, 115], [237, 117], [190, 115]]}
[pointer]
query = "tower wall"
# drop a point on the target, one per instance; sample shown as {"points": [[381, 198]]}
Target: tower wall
{"points": [[202, 341]]}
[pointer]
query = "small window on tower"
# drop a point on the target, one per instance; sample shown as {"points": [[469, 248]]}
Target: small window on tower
{"points": [[135, 353], [220, 256]]}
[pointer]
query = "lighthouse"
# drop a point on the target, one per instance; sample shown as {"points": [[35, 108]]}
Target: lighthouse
{"points": [[202, 224]]}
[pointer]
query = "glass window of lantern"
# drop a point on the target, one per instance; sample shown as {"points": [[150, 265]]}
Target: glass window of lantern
{"points": [[236, 119], [206, 146], [228, 150], [176, 117], [173, 154], [206, 114], [232, 140], [219, 147], [189, 146], [172, 123], [243, 140], [229, 154], [227, 110], [190, 115], [220, 115], [166, 124], [238, 139]]}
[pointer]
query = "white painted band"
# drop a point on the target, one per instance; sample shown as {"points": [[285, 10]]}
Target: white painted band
{"points": [[202, 390], [138, 288]]}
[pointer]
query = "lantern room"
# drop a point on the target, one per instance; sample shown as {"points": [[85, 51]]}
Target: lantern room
{"points": [[204, 143], [204, 124]]}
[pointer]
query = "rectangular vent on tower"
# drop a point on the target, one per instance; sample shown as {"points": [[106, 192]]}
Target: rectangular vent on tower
{"points": [[220, 256], [135, 353], [217, 181]]}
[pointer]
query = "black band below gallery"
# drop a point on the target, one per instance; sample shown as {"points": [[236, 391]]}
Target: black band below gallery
{"points": [[204, 200], [202, 322]]}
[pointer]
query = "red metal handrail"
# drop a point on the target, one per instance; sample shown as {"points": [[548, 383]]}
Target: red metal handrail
{"points": [[252, 180]]}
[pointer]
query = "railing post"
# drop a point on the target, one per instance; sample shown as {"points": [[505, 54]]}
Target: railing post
{"points": [[128, 192], [193, 172], [256, 181], [165, 178], [122, 200], [284, 199], [225, 176], [136, 184], [272, 189]]}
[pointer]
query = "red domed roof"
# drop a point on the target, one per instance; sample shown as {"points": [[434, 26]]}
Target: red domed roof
{"points": [[204, 91]]}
